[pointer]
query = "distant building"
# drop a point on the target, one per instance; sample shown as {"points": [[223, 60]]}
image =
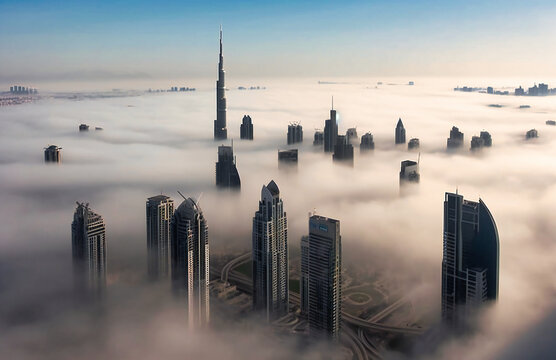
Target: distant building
{"points": [[53, 153], [324, 272], [485, 135], [351, 136], [409, 172], [367, 142], [550, 122], [471, 258], [190, 261], [270, 255], [456, 138], [519, 91], [531, 134], [400, 132], [220, 129], [490, 90], [533, 91], [88, 242], [83, 127], [318, 138], [227, 175], [477, 143], [246, 128], [543, 89], [413, 144], [159, 212], [287, 156], [295, 133], [343, 150], [330, 131]]}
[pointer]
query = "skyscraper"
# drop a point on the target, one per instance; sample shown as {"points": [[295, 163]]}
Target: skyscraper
{"points": [[409, 172], [367, 142], [343, 150], [304, 276], [53, 153], [351, 135], [413, 144], [400, 132], [190, 261], [246, 128], [470, 258], [318, 138], [88, 240], [456, 138], [270, 255], [295, 133], [220, 130], [330, 131], [324, 271], [160, 210], [226, 170]]}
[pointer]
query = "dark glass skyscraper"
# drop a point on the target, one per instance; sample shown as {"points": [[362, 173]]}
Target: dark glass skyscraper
{"points": [[400, 132], [227, 175], [367, 142], [53, 153], [456, 138], [190, 261], [270, 255], [220, 130], [330, 131], [246, 128], [343, 150], [295, 133], [323, 274], [470, 258], [88, 240], [159, 212]]}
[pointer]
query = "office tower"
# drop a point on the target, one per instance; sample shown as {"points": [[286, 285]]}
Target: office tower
{"points": [[288, 156], [477, 143], [88, 240], [318, 139], [226, 170], [351, 135], [246, 128], [53, 153], [304, 277], [531, 134], [295, 133], [485, 135], [409, 172], [413, 144], [470, 258], [343, 150], [400, 132], [270, 255], [330, 131], [543, 89], [490, 90], [324, 271], [159, 210], [519, 91], [367, 142], [220, 130], [189, 245], [456, 138]]}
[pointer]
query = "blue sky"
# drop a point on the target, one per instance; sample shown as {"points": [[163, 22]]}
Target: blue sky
{"points": [[289, 38]]}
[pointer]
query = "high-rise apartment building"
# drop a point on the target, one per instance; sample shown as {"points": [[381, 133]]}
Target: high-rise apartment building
{"points": [[227, 175], [53, 153], [295, 133], [246, 128], [159, 212]]}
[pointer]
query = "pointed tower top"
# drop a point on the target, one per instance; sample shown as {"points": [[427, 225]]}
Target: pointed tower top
{"points": [[400, 123], [332, 102]]}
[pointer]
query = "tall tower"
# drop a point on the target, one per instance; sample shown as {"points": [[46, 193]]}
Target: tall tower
{"points": [[227, 175], [270, 255], [330, 131], [400, 132], [190, 261], [160, 209], [324, 271], [220, 131], [88, 240], [470, 258]]}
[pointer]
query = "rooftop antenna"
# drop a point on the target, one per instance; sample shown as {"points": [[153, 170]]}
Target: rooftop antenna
{"points": [[332, 102], [456, 190], [199, 198], [419, 158], [179, 192]]}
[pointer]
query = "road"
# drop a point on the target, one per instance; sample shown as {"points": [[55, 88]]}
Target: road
{"points": [[235, 262]]}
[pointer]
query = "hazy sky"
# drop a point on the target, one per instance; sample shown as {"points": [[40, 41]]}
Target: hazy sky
{"points": [[67, 40]]}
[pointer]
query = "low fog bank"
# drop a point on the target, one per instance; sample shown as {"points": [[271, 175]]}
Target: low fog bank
{"points": [[163, 143]]}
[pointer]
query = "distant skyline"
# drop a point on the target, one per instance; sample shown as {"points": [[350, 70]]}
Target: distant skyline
{"points": [[66, 41]]}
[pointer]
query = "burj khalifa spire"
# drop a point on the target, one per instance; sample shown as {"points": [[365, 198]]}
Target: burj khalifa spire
{"points": [[220, 130]]}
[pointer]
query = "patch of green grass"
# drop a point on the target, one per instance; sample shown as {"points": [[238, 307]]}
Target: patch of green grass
{"points": [[294, 285], [245, 269]]}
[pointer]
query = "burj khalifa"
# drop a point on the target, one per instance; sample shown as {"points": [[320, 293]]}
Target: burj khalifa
{"points": [[220, 130]]}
